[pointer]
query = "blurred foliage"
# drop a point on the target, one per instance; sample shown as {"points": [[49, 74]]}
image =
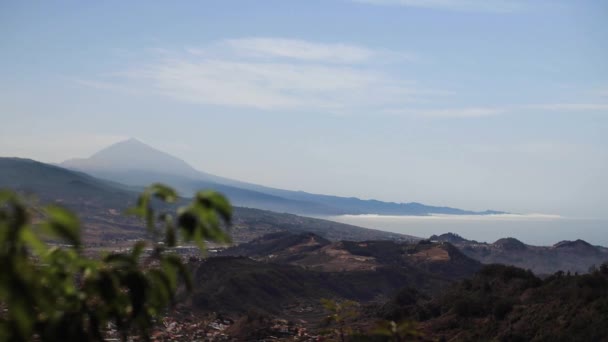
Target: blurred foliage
{"points": [[344, 314], [340, 314], [397, 332], [56, 293]]}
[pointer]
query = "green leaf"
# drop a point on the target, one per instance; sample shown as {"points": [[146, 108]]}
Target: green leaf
{"points": [[138, 249], [64, 224], [107, 286], [182, 270], [138, 288], [62, 291], [163, 192], [160, 285], [216, 201], [170, 270], [9, 197], [171, 237], [119, 259], [188, 222], [37, 245]]}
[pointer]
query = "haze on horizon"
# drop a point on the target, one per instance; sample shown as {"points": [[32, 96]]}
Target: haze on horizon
{"points": [[471, 104]]}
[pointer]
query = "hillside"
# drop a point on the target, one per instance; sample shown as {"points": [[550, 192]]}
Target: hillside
{"points": [[54, 183], [117, 163], [283, 273], [101, 205], [568, 256], [237, 285], [316, 253], [252, 223], [290, 273], [504, 303]]}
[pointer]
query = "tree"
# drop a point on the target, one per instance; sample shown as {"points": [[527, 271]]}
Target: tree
{"points": [[60, 294]]}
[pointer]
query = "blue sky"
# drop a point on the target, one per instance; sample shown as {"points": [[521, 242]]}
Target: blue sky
{"points": [[473, 104]]}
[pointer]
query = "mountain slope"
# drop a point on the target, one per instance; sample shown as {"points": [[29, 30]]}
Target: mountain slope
{"points": [[568, 256], [504, 303], [287, 269], [135, 163], [54, 183], [132, 154], [316, 253], [100, 204]]}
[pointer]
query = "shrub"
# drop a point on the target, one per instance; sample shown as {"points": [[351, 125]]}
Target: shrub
{"points": [[60, 294], [502, 308]]}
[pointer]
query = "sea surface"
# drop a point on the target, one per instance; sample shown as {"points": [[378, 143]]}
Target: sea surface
{"points": [[534, 229]]}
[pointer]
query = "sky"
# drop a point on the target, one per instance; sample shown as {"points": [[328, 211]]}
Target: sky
{"points": [[468, 103]]}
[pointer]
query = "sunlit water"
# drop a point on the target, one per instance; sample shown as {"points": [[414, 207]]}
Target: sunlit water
{"points": [[531, 229]]}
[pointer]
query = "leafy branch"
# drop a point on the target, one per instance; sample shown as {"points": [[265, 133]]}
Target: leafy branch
{"points": [[60, 294]]}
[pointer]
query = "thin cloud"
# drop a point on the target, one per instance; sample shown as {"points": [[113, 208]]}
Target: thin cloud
{"points": [[466, 112], [302, 50], [480, 112], [272, 86], [270, 48], [602, 92], [497, 6], [274, 74], [570, 107]]}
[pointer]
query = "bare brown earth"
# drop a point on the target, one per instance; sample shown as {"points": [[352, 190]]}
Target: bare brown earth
{"points": [[334, 258], [433, 254]]}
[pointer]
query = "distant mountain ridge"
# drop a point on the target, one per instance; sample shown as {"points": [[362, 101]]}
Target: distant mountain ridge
{"points": [[51, 182], [573, 256], [317, 253], [100, 204], [134, 163]]}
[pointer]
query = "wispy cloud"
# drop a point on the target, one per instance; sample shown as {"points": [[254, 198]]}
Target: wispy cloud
{"points": [[303, 50], [264, 48], [602, 92], [480, 112], [573, 107], [296, 75], [464, 112], [498, 6], [274, 74]]}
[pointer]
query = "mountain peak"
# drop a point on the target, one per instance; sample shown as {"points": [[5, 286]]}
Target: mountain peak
{"points": [[132, 141], [510, 243], [135, 163], [448, 237], [132, 154], [581, 244], [130, 145]]}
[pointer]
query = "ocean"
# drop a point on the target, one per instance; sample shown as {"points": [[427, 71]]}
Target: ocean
{"points": [[534, 229]]}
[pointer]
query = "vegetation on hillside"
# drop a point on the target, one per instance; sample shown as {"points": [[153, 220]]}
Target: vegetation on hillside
{"points": [[505, 303]]}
